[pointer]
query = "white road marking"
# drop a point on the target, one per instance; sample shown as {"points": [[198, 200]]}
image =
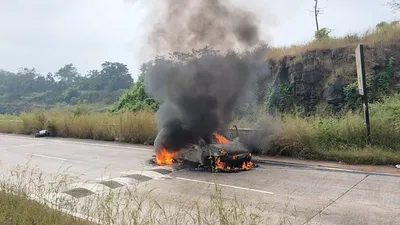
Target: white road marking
{"points": [[152, 174], [124, 181], [80, 143], [19, 146], [46, 156], [105, 178], [225, 185]]}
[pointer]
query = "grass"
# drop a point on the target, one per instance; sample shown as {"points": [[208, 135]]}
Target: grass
{"points": [[342, 138], [387, 34], [18, 209], [137, 128], [127, 205], [337, 138]]}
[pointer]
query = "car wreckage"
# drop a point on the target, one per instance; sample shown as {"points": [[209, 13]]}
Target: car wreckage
{"points": [[220, 155]]}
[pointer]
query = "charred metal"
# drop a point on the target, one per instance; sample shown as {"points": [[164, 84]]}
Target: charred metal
{"points": [[221, 155]]}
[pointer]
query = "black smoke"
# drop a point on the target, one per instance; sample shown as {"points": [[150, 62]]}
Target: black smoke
{"points": [[194, 24], [199, 90]]}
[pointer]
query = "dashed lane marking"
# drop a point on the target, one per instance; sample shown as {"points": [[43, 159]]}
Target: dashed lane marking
{"points": [[104, 184], [147, 173], [20, 146], [138, 177], [111, 184], [126, 181], [162, 171], [47, 140], [79, 192], [47, 156], [225, 185]]}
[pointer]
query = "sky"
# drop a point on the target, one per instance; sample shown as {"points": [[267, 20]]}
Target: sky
{"points": [[47, 34]]}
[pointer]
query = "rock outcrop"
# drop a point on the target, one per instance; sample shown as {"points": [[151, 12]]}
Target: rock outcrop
{"points": [[321, 75]]}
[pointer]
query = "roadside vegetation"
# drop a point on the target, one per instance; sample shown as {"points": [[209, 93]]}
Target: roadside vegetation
{"points": [[338, 138], [384, 33], [18, 209], [25, 191], [28, 89], [321, 134]]}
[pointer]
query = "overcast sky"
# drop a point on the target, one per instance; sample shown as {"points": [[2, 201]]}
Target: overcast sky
{"points": [[47, 34]]}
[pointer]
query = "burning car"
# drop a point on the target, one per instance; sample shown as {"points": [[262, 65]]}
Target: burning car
{"points": [[220, 155]]}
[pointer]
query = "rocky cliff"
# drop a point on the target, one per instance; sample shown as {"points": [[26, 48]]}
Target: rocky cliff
{"points": [[321, 75]]}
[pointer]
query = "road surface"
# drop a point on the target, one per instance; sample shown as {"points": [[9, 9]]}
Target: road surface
{"points": [[289, 195]]}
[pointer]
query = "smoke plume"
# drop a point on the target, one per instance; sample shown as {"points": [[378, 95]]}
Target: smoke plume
{"points": [[200, 90], [189, 24]]}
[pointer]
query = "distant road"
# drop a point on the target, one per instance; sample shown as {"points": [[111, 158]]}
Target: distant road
{"points": [[294, 195]]}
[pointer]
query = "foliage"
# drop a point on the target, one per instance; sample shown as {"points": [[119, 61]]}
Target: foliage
{"points": [[373, 37], [340, 138], [385, 78], [64, 86], [377, 88], [135, 100], [139, 128], [323, 138], [322, 33], [280, 98]]}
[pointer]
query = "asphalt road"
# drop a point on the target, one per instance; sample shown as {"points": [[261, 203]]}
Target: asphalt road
{"points": [[290, 195]]}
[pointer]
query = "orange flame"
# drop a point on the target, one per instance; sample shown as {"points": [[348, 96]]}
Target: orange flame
{"points": [[248, 165], [165, 158], [221, 165], [221, 139]]}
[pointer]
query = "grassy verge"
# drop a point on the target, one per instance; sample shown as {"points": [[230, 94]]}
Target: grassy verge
{"points": [[385, 34], [139, 128], [340, 138], [18, 209], [127, 205]]}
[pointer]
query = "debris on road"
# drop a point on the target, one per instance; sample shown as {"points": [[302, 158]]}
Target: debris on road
{"points": [[42, 133]]}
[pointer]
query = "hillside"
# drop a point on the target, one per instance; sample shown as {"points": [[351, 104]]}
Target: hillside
{"points": [[322, 75], [317, 76], [28, 90]]}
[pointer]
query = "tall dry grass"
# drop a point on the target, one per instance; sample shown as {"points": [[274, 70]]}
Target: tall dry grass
{"points": [[340, 138], [138, 128], [385, 35], [11, 126]]}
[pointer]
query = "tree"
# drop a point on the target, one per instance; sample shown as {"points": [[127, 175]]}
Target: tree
{"points": [[67, 73], [112, 77], [394, 4], [135, 100], [322, 33], [316, 11]]}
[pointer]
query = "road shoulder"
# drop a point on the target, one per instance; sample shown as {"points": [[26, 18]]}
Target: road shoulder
{"points": [[286, 161]]}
